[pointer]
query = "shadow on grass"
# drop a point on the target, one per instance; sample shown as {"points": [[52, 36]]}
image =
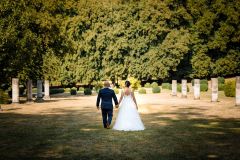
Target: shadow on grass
{"points": [[75, 134]]}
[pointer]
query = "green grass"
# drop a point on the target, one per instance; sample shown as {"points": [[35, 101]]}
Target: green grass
{"points": [[78, 134]]}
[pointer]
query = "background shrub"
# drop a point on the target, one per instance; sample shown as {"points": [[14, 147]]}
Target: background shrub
{"points": [[204, 81], [142, 91], [221, 80], [221, 87], [166, 85], [230, 88], [147, 85], [81, 89], [116, 90], [156, 89], [73, 91], [56, 90], [154, 84], [67, 90], [87, 91], [3, 97], [203, 87]]}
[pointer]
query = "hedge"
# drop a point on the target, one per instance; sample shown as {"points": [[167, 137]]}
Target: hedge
{"points": [[154, 84], [156, 89], [56, 90], [67, 90], [230, 88], [203, 87], [221, 87], [87, 91], [221, 80], [142, 91], [73, 91], [3, 97], [147, 85], [166, 85]]}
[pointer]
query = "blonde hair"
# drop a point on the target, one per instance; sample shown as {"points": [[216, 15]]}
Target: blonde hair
{"points": [[106, 84]]}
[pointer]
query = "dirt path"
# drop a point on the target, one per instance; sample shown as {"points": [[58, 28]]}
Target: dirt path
{"points": [[148, 103]]}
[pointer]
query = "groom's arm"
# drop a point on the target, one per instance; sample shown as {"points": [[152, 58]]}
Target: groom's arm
{"points": [[98, 99], [115, 98]]}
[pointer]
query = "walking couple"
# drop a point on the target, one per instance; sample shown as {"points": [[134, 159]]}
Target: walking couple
{"points": [[128, 118]]}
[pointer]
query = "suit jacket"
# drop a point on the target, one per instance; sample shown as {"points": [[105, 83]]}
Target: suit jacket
{"points": [[106, 95]]}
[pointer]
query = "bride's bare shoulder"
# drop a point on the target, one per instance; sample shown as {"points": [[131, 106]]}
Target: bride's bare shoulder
{"points": [[127, 91]]}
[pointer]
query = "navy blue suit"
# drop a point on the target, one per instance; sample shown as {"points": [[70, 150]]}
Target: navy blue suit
{"points": [[106, 95]]}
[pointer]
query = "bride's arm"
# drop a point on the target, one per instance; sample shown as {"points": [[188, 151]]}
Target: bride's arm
{"points": [[120, 100], [134, 99]]}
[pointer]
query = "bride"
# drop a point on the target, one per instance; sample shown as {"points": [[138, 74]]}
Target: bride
{"points": [[128, 118]]}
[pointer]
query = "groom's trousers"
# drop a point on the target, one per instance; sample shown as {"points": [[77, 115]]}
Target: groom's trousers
{"points": [[107, 116]]}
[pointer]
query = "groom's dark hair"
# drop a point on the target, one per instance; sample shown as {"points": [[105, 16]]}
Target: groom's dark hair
{"points": [[127, 83]]}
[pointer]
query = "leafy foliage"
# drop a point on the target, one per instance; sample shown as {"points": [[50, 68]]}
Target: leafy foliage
{"points": [[203, 87], [87, 91], [221, 87], [56, 90], [204, 81], [147, 85], [154, 84], [142, 91], [221, 80], [166, 85], [88, 41], [156, 89], [116, 90], [3, 97], [135, 84], [73, 91], [229, 88]]}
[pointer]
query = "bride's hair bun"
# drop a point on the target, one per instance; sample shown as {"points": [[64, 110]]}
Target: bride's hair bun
{"points": [[127, 83]]}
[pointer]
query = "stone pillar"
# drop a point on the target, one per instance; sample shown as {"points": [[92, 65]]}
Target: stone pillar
{"points": [[174, 87], [15, 90], [214, 85], [29, 90], [46, 90], [39, 91], [196, 88], [238, 91], [184, 88]]}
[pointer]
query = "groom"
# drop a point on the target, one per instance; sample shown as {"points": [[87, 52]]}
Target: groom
{"points": [[106, 95]]}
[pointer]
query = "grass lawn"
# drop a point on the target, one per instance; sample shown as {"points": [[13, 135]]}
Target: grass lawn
{"points": [[71, 128]]}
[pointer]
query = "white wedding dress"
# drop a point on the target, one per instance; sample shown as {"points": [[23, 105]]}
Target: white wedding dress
{"points": [[128, 118]]}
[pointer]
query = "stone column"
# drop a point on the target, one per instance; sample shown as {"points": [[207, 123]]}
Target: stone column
{"points": [[29, 90], [196, 88], [174, 87], [238, 91], [39, 91], [214, 85], [15, 90], [184, 88], [46, 90]]}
